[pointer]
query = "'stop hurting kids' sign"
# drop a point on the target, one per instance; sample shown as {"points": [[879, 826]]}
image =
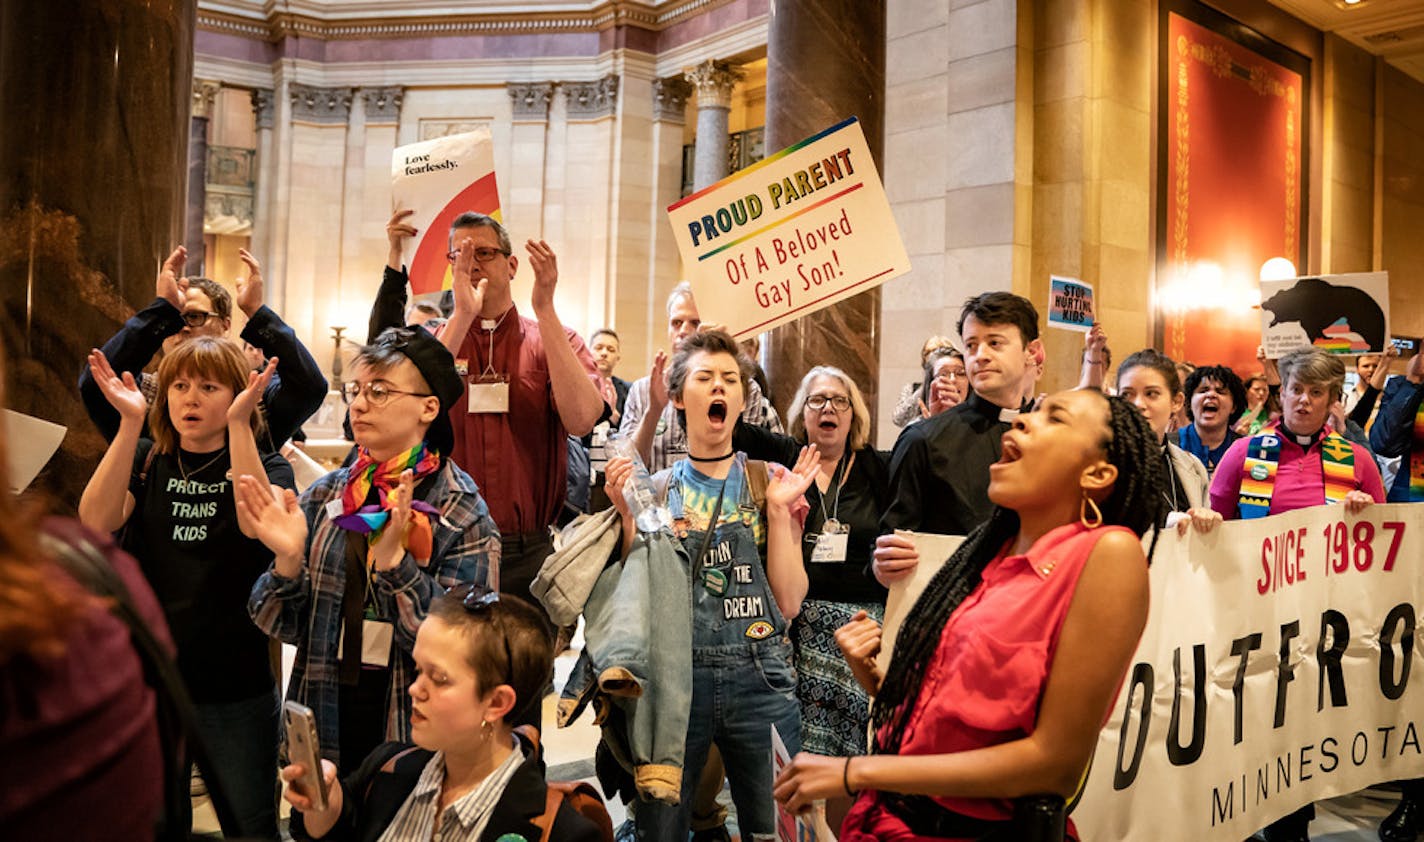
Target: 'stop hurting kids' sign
{"points": [[789, 235]]}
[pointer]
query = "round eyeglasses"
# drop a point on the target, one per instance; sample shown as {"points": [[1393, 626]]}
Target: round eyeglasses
{"points": [[376, 392]]}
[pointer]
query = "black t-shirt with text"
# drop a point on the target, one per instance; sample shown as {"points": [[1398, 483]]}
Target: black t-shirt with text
{"points": [[184, 533]]}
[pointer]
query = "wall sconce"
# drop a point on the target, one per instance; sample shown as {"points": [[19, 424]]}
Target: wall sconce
{"points": [[336, 356]]}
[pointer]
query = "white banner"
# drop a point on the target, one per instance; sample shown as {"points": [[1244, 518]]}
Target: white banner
{"points": [[1280, 666], [440, 179], [789, 235]]}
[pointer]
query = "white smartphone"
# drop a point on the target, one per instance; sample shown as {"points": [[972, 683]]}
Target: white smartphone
{"points": [[302, 747]]}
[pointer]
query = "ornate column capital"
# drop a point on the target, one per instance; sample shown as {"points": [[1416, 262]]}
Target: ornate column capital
{"points": [[590, 100], [264, 107], [320, 105], [531, 100], [205, 93], [713, 81], [670, 98], [383, 104]]}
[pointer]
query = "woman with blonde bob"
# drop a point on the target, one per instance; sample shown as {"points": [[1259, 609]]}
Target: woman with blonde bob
{"points": [[850, 491], [172, 497]]}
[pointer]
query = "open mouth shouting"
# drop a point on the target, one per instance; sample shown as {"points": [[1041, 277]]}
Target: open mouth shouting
{"points": [[717, 412]]}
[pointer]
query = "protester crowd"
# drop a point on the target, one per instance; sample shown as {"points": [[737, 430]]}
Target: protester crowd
{"points": [[731, 566]]}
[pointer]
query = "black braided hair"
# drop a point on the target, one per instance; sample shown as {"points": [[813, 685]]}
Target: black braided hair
{"points": [[1138, 500]]}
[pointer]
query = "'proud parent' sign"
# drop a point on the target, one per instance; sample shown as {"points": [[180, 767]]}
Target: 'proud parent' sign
{"points": [[789, 235]]}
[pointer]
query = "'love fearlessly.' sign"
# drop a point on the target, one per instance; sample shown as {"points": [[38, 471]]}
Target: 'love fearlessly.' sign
{"points": [[1281, 665], [789, 235]]}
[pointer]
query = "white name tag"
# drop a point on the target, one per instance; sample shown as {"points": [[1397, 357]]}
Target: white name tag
{"points": [[489, 396], [376, 637], [334, 509], [830, 547]]}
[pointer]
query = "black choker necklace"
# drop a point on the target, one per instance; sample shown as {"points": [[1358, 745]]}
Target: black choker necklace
{"points": [[728, 455]]}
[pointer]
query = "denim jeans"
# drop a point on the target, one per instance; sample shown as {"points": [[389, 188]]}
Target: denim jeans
{"points": [[242, 742], [738, 693]]}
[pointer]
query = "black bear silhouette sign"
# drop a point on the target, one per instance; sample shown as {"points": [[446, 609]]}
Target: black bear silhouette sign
{"points": [[1317, 304]]}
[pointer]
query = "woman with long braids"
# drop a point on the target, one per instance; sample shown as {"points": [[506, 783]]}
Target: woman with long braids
{"points": [[999, 686]]}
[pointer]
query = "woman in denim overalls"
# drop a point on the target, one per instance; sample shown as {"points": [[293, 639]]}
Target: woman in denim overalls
{"points": [[747, 582]]}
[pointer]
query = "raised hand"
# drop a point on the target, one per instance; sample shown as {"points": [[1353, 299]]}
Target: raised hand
{"points": [[388, 550], [397, 230], [245, 402], [468, 288], [658, 383], [1414, 372], [250, 290], [1094, 341], [122, 393], [546, 275], [274, 518], [784, 485], [168, 275]]}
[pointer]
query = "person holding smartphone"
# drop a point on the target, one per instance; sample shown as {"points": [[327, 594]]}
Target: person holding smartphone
{"points": [[481, 659]]}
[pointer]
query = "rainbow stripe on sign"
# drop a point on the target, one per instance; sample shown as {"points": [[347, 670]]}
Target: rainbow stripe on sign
{"points": [[1339, 339]]}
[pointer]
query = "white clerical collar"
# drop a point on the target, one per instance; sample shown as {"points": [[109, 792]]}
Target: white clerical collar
{"points": [[1008, 415]]}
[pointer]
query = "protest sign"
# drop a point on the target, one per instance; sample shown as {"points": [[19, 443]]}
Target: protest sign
{"points": [[790, 234], [32, 442], [789, 827], [1279, 667], [440, 179], [934, 551], [1070, 303], [1339, 314]]}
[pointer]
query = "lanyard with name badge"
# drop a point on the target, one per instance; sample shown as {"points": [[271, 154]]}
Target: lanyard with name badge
{"points": [[490, 391], [830, 544]]}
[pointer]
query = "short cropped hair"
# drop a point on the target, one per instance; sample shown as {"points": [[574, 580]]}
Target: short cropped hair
{"points": [[216, 293], [1314, 367], [1002, 308], [510, 643], [604, 331], [210, 357], [1227, 378], [859, 433], [711, 342], [470, 219]]}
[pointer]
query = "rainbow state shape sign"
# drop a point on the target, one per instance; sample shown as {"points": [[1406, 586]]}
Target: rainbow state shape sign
{"points": [[440, 179], [789, 235], [1339, 314]]}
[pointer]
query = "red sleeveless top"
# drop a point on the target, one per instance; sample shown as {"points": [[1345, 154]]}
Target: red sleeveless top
{"points": [[988, 674]]}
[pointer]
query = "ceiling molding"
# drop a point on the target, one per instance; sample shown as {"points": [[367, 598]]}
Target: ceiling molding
{"points": [[407, 20], [1393, 29]]}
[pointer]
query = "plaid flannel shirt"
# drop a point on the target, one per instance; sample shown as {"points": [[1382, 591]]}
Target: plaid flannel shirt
{"points": [[306, 611]]}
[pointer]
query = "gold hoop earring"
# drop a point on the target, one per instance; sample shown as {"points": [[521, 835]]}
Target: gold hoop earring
{"points": [[1083, 507]]}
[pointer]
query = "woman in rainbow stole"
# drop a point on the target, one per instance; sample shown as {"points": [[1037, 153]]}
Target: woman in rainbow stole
{"points": [[1297, 463]]}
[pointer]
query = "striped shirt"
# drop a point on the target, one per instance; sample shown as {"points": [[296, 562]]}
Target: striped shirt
{"points": [[306, 611], [463, 820]]}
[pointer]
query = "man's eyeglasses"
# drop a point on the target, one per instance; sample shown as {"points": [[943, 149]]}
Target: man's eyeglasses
{"points": [[197, 318], [376, 392], [482, 601], [484, 254], [818, 402]]}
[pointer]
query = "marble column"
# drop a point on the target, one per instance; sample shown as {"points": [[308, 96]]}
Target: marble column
{"points": [[264, 174], [826, 62], [713, 82], [204, 95], [93, 149]]}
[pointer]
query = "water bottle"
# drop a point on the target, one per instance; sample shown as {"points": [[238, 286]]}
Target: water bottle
{"points": [[648, 514]]}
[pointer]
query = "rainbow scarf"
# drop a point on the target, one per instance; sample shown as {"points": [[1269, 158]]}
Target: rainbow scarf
{"points": [[385, 476], [1416, 459], [1263, 457]]}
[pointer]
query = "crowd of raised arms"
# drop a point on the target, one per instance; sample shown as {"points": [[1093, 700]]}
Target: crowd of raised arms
{"points": [[729, 567]]}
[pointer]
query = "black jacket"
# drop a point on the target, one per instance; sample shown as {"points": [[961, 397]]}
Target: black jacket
{"points": [[371, 798]]}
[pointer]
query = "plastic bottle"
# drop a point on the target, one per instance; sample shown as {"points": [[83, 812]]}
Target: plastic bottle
{"points": [[648, 514]]}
